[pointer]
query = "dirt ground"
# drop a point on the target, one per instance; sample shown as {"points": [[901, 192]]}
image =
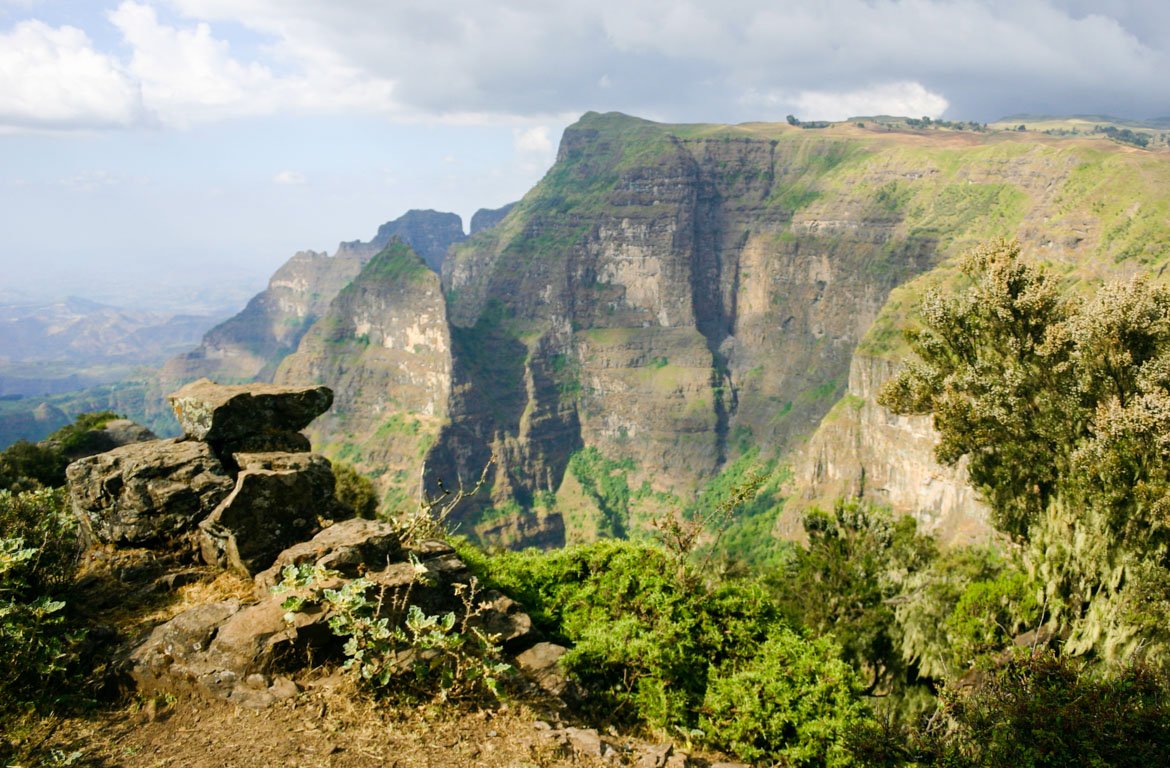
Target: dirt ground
{"points": [[330, 729]]}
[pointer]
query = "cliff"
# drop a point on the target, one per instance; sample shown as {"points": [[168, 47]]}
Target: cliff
{"points": [[251, 345], [669, 297], [384, 347]]}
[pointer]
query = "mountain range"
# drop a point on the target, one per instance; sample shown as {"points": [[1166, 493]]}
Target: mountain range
{"points": [[673, 306]]}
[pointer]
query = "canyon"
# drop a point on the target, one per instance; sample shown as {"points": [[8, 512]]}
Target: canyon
{"points": [[670, 303]]}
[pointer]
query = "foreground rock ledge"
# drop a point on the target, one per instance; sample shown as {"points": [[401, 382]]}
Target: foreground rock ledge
{"points": [[236, 415], [146, 493]]}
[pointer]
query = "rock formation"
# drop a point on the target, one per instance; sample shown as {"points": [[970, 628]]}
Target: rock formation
{"points": [[257, 513], [670, 297], [251, 345], [210, 490], [384, 347]]}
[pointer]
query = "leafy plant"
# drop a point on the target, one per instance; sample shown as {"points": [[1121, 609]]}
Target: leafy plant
{"points": [[649, 637], [38, 554], [390, 640]]}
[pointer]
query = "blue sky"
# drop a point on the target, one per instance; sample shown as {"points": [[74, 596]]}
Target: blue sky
{"points": [[187, 145]]}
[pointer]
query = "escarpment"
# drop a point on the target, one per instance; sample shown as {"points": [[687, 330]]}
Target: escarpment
{"points": [[671, 297], [251, 345]]}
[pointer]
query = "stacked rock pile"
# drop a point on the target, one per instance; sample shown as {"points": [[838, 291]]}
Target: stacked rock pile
{"points": [[239, 487], [242, 491]]}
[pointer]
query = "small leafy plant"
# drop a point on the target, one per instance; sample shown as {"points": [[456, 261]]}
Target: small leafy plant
{"points": [[391, 641]]}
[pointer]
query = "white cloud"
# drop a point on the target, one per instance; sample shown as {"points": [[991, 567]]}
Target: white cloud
{"points": [[52, 78], [534, 140], [290, 178], [519, 62], [909, 99], [188, 74]]}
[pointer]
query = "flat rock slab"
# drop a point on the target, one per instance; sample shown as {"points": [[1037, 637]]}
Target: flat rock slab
{"points": [[269, 511], [227, 415], [146, 493], [351, 548]]}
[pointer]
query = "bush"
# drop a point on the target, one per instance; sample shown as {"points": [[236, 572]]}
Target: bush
{"points": [[1043, 709], [25, 466], [793, 701], [38, 556], [651, 644], [354, 491], [392, 645]]}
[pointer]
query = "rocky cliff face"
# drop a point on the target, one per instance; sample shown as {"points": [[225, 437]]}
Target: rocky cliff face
{"points": [[862, 450], [670, 296], [251, 345], [666, 295], [383, 345]]}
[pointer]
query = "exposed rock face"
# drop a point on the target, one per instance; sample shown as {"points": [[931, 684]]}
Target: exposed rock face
{"points": [[248, 417], [230, 651], [250, 345], [147, 493], [863, 450], [672, 312], [486, 218], [350, 548], [430, 233], [278, 500], [384, 349]]}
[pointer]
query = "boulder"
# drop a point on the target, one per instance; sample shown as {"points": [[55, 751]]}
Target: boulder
{"points": [[273, 506], [163, 662], [247, 416], [541, 664], [146, 494], [351, 548], [221, 651]]}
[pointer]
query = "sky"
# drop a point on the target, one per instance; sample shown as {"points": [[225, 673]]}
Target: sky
{"points": [[164, 149]]}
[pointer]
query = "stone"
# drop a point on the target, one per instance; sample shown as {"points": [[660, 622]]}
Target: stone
{"points": [[504, 618], [148, 493], [351, 547], [655, 756], [160, 662], [585, 741], [268, 511], [541, 664], [242, 415]]}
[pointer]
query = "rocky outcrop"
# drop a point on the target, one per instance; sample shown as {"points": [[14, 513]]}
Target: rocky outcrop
{"points": [[861, 450], [247, 417], [147, 494], [383, 347], [279, 500], [235, 651], [239, 509]]}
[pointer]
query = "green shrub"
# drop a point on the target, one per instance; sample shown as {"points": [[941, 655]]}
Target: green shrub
{"points": [[648, 638], [25, 466], [38, 555], [793, 701], [1041, 709], [392, 645], [354, 491]]}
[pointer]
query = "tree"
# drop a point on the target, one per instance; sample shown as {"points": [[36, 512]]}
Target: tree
{"points": [[997, 386], [1063, 408]]}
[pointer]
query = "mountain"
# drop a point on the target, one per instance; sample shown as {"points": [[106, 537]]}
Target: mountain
{"points": [[672, 301], [57, 346], [250, 345]]}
